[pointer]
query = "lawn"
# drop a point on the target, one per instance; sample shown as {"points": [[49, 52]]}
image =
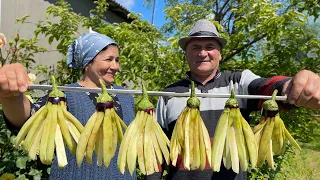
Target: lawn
{"points": [[303, 165]]}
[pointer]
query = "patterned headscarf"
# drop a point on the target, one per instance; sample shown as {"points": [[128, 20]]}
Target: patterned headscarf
{"points": [[85, 48]]}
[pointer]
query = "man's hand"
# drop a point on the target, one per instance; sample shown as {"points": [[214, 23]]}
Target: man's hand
{"points": [[303, 90], [13, 80]]}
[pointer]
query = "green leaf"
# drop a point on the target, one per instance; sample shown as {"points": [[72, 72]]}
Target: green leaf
{"points": [[21, 162], [21, 177], [48, 170], [51, 38]]}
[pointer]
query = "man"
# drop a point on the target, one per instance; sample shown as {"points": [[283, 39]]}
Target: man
{"points": [[202, 50]]}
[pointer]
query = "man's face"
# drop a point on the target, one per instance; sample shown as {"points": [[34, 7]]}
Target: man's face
{"points": [[203, 56]]}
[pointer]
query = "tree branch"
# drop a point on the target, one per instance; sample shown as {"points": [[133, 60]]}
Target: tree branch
{"points": [[233, 30], [217, 6], [223, 14], [228, 58], [223, 6], [229, 23]]}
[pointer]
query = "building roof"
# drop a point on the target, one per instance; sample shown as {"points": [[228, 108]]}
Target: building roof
{"points": [[119, 9]]}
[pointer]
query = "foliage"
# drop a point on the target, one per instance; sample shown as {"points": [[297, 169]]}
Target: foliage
{"points": [[244, 23], [14, 161], [301, 123], [312, 7], [20, 50], [264, 172]]}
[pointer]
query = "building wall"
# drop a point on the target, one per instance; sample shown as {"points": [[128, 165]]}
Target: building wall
{"points": [[10, 10]]}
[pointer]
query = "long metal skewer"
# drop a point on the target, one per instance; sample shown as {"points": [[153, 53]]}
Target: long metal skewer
{"points": [[151, 93]]}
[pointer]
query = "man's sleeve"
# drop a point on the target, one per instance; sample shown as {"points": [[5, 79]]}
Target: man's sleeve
{"points": [[266, 86], [33, 109], [247, 77]]}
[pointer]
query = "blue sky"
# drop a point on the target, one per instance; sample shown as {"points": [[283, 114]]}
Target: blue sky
{"points": [[137, 7]]}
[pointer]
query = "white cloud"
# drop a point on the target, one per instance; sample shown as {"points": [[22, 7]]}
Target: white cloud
{"points": [[126, 3]]}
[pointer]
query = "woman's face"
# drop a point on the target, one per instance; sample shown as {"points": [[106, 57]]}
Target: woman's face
{"points": [[104, 65]]}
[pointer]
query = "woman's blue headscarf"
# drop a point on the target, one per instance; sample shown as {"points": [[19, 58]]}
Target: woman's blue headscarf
{"points": [[85, 48]]}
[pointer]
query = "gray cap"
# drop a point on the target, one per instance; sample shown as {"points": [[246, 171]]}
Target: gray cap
{"points": [[202, 29]]}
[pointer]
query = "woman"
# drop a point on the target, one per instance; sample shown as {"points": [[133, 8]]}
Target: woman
{"points": [[98, 56]]}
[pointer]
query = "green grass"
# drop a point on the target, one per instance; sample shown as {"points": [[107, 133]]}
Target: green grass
{"points": [[303, 165]]}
